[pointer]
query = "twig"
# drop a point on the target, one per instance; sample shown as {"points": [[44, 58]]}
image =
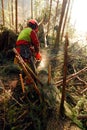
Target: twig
{"points": [[7, 93], [80, 117], [81, 80], [84, 90], [16, 101], [62, 109], [71, 76], [22, 115], [29, 76], [79, 77]]}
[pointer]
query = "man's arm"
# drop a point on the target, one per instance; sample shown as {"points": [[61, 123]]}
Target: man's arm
{"points": [[35, 41]]}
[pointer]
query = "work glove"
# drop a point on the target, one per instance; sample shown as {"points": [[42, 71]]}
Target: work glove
{"points": [[38, 56]]}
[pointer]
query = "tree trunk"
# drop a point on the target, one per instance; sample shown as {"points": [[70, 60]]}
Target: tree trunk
{"points": [[62, 112], [49, 17], [65, 20], [60, 23], [16, 16], [71, 5], [31, 9], [9, 12], [12, 13], [3, 18], [55, 16]]}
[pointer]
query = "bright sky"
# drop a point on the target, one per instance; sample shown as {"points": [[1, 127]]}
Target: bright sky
{"points": [[79, 15]]}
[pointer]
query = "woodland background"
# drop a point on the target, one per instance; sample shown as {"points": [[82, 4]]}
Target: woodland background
{"points": [[62, 100]]}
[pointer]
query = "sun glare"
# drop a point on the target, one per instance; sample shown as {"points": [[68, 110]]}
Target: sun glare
{"points": [[79, 16]]}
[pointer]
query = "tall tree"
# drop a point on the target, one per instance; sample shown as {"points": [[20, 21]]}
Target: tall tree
{"points": [[32, 9], [12, 14], [16, 16], [49, 17], [65, 19], [37, 8], [62, 110], [71, 5], [60, 24], [3, 18], [46, 23], [9, 12], [57, 3]]}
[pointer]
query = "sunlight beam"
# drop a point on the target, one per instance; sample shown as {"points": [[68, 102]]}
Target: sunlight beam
{"points": [[78, 16]]}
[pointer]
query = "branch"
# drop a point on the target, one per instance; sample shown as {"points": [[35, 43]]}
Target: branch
{"points": [[80, 117], [28, 74], [71, 77], [79, 77], [84, 90]]}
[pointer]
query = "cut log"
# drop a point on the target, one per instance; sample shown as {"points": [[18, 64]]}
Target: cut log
{"points": [[28, 75]]}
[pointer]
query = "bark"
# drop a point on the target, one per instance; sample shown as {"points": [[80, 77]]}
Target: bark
{"points": [[62, 112], [9, 11], [16, 16], [49, 17], [65, 20], [3, 17], [55, 16], [31, 9], [60, 23], [71, 5], [12, 13], [22, 83]]}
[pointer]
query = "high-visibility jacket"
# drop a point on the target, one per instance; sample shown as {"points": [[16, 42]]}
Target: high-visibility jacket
{"points": [[25, 35], [28, 36]]}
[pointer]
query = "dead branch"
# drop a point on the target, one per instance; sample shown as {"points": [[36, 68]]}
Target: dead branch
{"points": [[22, 83], [22, 115], [72, 76], [81, 117], [28, 74], [81, 80], [79, 77], [84, 89]]}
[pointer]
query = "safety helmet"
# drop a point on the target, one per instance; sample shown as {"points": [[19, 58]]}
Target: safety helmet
{"points": [[33, 24]]}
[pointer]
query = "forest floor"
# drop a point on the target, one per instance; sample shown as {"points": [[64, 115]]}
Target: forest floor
{"points": [[54, 123], [9, 83]]}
